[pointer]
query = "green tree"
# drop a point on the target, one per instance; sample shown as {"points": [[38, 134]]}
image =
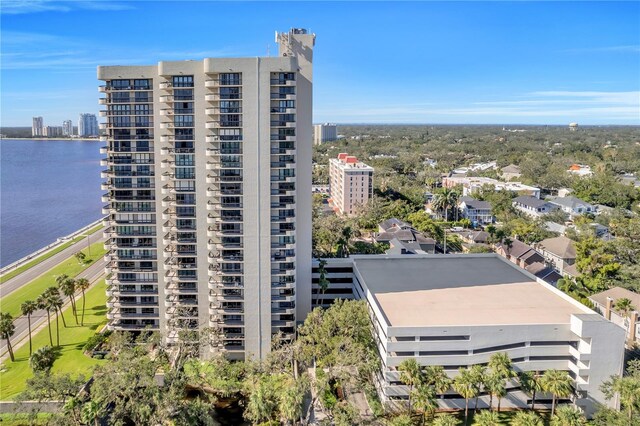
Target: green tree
{"points": [[466, 385], [436, 376], [425, 400], [558, 384], [568, 415], [83, 285], [410, 375], [531, 383], [27, 308], [91, 412], [262, 402], [80, 256], [445, 420], [527, 418], [627, 388], [42, 360], [487, 418], [68, 288], [42, 303], [624, 306], [6, 331], [445, 200], [479, 374], [54, 302], [291, 401], [501, 369]]}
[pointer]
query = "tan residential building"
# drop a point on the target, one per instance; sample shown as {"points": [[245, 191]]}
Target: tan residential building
{"points": [[208, 196], [351, 183], [605, 304], [326, 132]]}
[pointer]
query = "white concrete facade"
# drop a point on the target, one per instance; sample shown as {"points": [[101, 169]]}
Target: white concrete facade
{"points": [[351, 183], [37, 126], [537, 325], [326, 132], [209, 195]]}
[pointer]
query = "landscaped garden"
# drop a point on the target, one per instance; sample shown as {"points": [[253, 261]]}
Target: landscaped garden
{"points": [[70, 356]]}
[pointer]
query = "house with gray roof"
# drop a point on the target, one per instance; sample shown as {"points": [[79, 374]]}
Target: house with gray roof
{"points": [[532, 206], [573, 206], [560, 251], [403, 238], [478, 212], [510, 172]]}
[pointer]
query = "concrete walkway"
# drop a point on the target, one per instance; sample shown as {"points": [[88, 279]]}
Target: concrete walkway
{"points": [[34, 272]]}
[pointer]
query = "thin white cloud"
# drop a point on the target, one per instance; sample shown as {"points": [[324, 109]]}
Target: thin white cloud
{"points": [[18, 7], [628, 48]]}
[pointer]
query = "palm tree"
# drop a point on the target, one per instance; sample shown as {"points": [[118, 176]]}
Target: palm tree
{"points": [[91, 412], [526, 418], [54, 294], [54, 302], [530, 383], [628, 388], [436, 376], [425, 400], [343, 242], [495, 385], [502, 370], [82, 284], [42, 359], [487, 418], [568, 415], [27, 308], [445, 420], [479, 374], [558, 384], [42, 304], [624, 306], [68, 288], [410, 375], [323, 282], [446, 199], [6, 331], [465, 384]]}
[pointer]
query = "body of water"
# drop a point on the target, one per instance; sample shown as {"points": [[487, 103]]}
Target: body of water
{"points": [[48, 189]]}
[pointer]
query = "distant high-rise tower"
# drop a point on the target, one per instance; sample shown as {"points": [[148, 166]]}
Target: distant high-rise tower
{"points": [[324, 133], [37, 127], [208, 186], [67, 128], [87, 125]]}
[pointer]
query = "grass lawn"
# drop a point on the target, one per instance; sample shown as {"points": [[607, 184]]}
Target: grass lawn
{"points": [[45, 256], [70, 266], [21, 419], [13, 375]]}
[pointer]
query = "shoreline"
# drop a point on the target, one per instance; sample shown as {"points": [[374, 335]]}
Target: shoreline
{"points": [[61, 240]]}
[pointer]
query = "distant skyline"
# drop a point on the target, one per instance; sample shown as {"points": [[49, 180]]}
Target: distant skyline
{"points": [[375, 62]]}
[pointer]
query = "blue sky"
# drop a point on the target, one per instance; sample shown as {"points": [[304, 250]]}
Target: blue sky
{"points": [[375, 62]]}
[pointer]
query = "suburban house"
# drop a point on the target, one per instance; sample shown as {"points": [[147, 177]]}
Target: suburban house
{"points": [[457, 310], [519, 253], [580, 170], [478, 212], [573, 206], [403, 238], [532, 206], [560, 251], [605, 305], [510, 172]]}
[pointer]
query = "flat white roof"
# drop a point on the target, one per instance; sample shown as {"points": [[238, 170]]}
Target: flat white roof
{"points": [[459, 290]]}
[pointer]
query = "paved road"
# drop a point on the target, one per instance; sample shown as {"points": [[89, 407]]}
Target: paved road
{"points": [[42, 267], [38, 318]]}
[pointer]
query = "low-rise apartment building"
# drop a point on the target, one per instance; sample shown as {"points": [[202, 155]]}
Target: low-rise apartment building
{"points": [[473, 184], [458, 310], [351, 183]]}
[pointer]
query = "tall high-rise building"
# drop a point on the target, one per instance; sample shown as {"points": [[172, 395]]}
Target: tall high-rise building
{"points": [[37, 127], [67, 127], [350, 183], [52, 131], [324, 133], [209, 196], [88, 125]]}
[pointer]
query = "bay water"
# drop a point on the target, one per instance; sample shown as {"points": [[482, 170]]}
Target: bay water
{"points": [[48, 189]]}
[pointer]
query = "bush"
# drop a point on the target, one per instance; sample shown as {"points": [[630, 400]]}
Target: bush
{"points": [[95, 341]]}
